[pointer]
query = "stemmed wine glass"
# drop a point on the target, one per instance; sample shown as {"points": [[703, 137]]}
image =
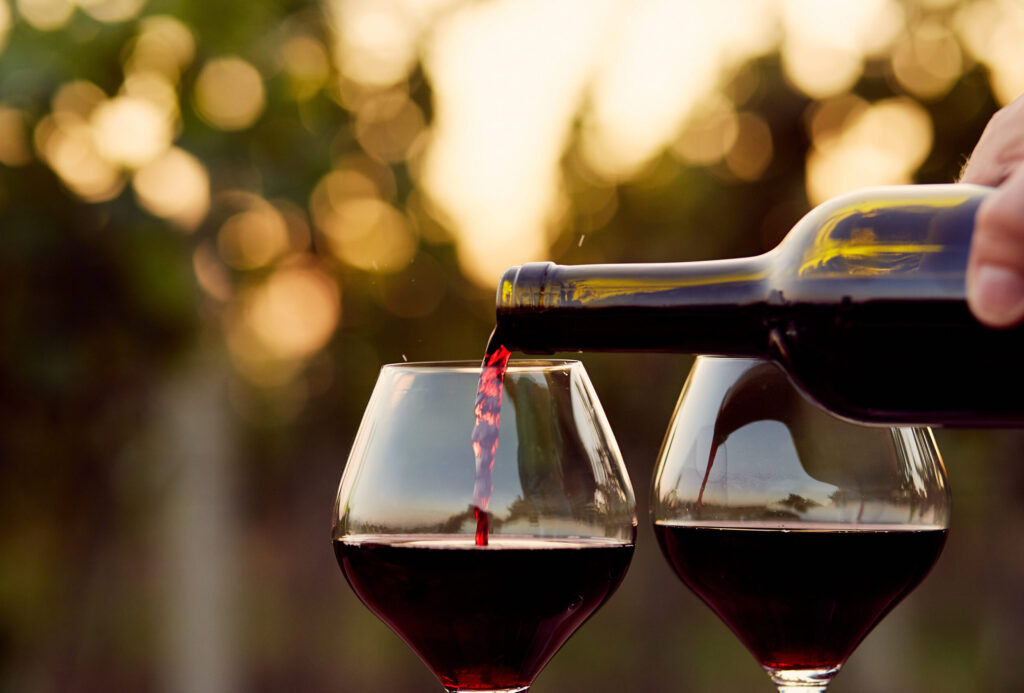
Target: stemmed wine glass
{"points": [[560, 522], [800, 530]]}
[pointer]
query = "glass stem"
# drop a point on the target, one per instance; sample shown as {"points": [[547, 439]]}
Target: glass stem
{"points": [[524, 689], [802, 680]]}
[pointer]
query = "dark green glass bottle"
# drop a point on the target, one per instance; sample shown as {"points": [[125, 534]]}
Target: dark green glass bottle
{"points": [[863, 304]]}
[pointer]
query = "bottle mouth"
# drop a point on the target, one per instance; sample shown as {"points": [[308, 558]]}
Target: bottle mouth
{"points": [[522, 287]]}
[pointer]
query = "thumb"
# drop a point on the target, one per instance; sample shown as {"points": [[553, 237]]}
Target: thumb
{"points": [[995, 269]]}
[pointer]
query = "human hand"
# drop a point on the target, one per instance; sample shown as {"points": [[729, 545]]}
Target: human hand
{"points": [[995, 266]]}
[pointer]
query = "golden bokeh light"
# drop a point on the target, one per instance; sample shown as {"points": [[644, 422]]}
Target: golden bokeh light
{"points": [[387, 125], [65, 141], [928, 62], [112, 11], [14, 139], [826, 119], [377, 40], [294, 312], [253, 238], [659, 62], [78, 98], [505, 109], [881, 144], [175, 187], [158, 90], [502, 118], [307, 65], [275, 325], [710, 133], [820, 70], [211, 274], [5, 22], [46, 15], [369, 234], [164, 45], [427, 219], [826, 41], [752, 149], [993, 32], [337, 186], [353, 177], [130, 131], [296, 222], [229, 93]]}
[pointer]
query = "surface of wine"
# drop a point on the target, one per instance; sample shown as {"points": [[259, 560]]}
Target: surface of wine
{"points": [[483, 618], [487, 421], [800, 598]]}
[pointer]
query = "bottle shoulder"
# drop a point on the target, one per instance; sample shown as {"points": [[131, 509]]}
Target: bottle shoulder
{"points": [[882, 239]]}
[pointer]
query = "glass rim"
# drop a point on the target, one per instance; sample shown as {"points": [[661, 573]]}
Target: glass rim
{"points": [[466, 366]]}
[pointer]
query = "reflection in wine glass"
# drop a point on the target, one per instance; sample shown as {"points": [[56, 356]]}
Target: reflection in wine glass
{"points": [[800, 530], [562, 518]]}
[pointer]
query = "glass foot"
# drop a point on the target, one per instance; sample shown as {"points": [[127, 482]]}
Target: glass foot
{"points": [[802, 680], [524, 689]]}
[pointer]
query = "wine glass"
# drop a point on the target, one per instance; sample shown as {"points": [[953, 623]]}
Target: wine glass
{"points": [[800, 530], [560, 522]]}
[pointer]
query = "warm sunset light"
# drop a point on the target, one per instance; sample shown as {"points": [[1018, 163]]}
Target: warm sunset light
{"points": [[112, 10], [219, 220], [387, 124], [377, 44], [130, 131], [993, 31], [710, 133], [370, 234], [230, 93], [277, 323], [661, 60], [158, 90], [827, 41], [211, 274], [928, 62], [164, 45], [14, 147], [305, 60], [503, 113], [176, 187], [752, 151], [67, 143], [46, 15], [881, 144], [253, 238], [5, 22]]}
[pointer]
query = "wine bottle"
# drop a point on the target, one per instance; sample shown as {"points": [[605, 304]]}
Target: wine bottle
{"points": [[863, 304]]}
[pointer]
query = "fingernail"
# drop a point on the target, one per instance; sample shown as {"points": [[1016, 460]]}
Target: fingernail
{"points": [[995, 295]]}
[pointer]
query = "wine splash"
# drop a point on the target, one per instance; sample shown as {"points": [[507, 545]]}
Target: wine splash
{"points": [[487, 413]]}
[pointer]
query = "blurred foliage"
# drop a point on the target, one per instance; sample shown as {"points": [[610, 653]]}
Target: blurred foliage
{"points": [[281, 230]]}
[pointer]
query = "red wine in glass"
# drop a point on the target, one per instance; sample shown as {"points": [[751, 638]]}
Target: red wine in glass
{"points": [[485, 613], [487, 418], [483, 618], [803, 597]]}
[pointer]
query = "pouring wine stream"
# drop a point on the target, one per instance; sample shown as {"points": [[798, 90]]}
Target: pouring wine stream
{"points": [[487, 414]]}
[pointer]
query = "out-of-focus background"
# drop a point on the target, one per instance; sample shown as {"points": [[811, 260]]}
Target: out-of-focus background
{"points": [[218, 219]]}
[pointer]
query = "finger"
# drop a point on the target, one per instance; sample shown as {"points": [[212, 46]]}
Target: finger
{"points": [[995, 271], [1000, 149]]}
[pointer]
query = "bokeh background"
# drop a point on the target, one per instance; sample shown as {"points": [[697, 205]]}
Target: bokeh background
{"points": [[218, 219]]}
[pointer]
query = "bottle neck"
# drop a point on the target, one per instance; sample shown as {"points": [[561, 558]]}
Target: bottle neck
{"points": [[715, 307]]}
